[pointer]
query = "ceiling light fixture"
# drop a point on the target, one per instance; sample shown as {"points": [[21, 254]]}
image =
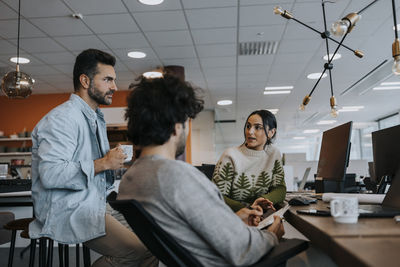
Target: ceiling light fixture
{"points": [[310, 131], [386, 88], [151, 2], [390, 83], [152, 74], [350, 108], [20, 60], [273, 110], [396, 44], [224, 102], [299, 137], [136, 54], [279, 87], [17, 84], [316, 75], [334, 57], [280, 92], [326, 122], [342, 27], [397, 26]]}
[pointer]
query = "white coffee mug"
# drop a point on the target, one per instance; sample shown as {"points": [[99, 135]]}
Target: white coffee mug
{"points": [[128, 151], [344, 209]]}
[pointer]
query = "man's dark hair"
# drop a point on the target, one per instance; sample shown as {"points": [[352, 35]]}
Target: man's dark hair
{"points": [[86, 63], [156, 105], [268, 119]]}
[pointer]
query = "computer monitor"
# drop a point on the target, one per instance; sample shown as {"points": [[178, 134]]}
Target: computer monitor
{"points": [[386, 151], [334, 158]]}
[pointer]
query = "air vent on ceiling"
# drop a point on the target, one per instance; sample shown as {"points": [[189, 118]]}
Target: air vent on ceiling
{"points": [[258, 48]]}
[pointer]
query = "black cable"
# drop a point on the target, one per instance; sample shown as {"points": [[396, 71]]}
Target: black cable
{"points": [[394, 19], [362, 10], [19, 22], [327, 48]]}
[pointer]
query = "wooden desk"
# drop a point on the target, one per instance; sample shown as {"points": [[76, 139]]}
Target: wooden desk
{"points": [[370, 242]]}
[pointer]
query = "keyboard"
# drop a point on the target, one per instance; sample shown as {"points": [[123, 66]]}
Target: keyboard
{"points": [[15, 185]]}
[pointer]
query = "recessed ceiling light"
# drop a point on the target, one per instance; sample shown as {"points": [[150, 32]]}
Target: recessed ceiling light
{"points": [[350, 108], [152, 74], [398, 27], [273, 110], [316, 75], [136, 54], [390, 83], [326, 122], [277, 92], [224, 102], [386, 88], [337, 56], [311, 131], [279, 87], [299, 137], [22, 60], [151, 2]]}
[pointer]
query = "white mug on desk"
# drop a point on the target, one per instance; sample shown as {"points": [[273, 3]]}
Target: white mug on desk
{"points": [[344, 209]]}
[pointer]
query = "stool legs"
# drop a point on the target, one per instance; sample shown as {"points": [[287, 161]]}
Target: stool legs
{"points": [[12, 247], [86, 256], [50, 253], [32, 253]]}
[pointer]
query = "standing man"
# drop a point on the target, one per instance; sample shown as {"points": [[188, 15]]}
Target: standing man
{"points": [[181, 199], [72, 168]]}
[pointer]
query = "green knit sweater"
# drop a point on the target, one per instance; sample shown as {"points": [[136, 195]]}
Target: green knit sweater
{"points": [[243, 175]]}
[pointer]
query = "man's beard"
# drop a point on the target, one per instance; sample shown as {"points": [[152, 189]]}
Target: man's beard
{"points": [[180, 148], [98, 96]]}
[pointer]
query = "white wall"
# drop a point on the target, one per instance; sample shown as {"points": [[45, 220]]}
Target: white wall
{"points": [[203, 140]]}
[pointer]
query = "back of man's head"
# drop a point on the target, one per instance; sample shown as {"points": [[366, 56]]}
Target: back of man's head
{"points": [[86, 63], [156, 105]]}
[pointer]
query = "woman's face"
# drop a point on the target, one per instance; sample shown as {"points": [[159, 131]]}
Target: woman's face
{"points": [[255, 133]]}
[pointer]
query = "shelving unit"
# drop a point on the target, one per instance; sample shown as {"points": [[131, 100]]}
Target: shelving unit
{"points": [[15, 139]]}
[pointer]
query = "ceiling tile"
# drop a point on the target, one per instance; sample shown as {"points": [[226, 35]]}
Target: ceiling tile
{"points": [[218, 50], [188, 63], [30, 9], [123, 54], [259, 15], [56, 58], [255, 60], [61, 26], [299, 46], [9, 29], [38, 70], [7, 13], [216, 17], [208, 3], [125, 40], [141, 66], [162, 20], [89, 7], [115, 23], [214, 36], [38, 45], [213, 62], [169, 38], [261, 33], [167, 52], [65, 68], [7, 48], [80, 43]]}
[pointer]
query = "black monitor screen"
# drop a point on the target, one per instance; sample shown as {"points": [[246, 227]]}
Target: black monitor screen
{"points": [[334, 154], [386, 149]]}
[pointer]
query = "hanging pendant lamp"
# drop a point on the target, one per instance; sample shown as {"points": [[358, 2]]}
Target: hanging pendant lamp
{"points": [[17, 84]]}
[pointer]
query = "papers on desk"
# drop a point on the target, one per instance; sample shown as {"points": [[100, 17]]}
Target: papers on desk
{"points": [[362, 198], [270, 219]]}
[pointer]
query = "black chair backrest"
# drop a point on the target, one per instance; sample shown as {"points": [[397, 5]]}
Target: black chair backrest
{"points": [[207, 169], [160, 243]]}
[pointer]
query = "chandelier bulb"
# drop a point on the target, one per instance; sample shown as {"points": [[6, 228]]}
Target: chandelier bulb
{"points": [[305, 101]]}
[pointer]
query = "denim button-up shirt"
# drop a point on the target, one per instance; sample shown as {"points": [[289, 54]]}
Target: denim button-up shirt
{"points": [[69, 199]]}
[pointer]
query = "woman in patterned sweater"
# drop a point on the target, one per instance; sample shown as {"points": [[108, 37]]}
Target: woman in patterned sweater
{"points": [[252, 172]]}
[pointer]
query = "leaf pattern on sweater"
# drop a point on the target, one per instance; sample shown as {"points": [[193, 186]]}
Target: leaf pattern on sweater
{"points": [[224, 177], [241, 188], [278, 175]]}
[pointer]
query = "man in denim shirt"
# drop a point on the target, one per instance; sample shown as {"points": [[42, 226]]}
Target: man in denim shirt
{"points": [[72, 168]]}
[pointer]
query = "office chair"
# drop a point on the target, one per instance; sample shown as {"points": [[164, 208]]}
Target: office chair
{"points": [[168, 251], [207, 169]]}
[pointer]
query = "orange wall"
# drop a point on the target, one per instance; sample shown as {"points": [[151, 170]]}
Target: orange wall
{"points": [[19, 114]]}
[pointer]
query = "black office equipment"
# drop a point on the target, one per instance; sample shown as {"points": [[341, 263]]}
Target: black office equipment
{"points": [[315, 212], [168, 251], [207, 169], [391, 203], [299, 201], [333, 159], [15, 185], [386, 151]]}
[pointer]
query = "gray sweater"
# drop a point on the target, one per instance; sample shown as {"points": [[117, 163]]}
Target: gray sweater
{"points": [[191, 208]]}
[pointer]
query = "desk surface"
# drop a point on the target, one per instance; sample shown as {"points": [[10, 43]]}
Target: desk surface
{"points": [[350, 244]]}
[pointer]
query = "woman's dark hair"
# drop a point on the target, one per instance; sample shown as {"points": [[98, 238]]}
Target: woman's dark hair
{"points": [[86, 63], [268, 119], [156, 105]]}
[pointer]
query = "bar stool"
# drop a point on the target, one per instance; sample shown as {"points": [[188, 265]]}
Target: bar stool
{"points": [[14, 226]]}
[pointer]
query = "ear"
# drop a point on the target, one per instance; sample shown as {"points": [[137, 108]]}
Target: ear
{"points": [[85, 81], [177, 129], [271, 133]]}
